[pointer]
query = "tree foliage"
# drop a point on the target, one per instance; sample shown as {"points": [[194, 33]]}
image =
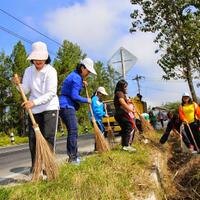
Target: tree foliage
{"points": [[66, 60], [68, 56], [176, 25], [5, 91]]}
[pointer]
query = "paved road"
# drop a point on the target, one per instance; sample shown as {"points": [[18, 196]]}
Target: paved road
{"points": [[15, 161]]}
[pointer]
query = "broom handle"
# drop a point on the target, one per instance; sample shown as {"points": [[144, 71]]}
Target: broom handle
{"points": [[192, 137], [25, 99], [179, 134], [107, 117], [90, 107]]}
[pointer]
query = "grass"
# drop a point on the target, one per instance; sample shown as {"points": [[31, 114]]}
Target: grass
{"points": [[113, 175], [5, 139]]}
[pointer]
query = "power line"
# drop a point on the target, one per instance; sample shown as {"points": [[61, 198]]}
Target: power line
{"points": [[15, 34], [32, 28], [21, 37]]}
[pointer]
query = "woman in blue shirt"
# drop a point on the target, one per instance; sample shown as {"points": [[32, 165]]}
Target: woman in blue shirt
{"points": [[69, 104]]}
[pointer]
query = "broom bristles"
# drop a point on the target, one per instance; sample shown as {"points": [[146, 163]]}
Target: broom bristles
{"points": [[44, 159], [101, 143], [145, 124]]}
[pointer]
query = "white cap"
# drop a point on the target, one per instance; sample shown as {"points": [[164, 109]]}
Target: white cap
{"points": [[185, 94], [102, 90], [39, 51], [89, 64]]}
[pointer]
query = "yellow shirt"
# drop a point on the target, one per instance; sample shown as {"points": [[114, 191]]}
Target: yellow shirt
{"points": [[189, 112]]}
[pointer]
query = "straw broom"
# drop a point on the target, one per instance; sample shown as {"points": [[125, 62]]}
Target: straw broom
{"points": [[45, 158], [145, 124], [111, 136], [101, 143]]}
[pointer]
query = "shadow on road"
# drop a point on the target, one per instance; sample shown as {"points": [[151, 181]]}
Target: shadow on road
{"points": [[21, 170], [9, 181]]}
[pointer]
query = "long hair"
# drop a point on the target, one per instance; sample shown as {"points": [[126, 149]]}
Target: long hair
{"points": [[79, 67], [190, 101], [47, 61], [121, 85]]}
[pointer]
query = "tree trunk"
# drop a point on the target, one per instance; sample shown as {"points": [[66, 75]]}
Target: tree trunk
{"points": [[190, 83]]}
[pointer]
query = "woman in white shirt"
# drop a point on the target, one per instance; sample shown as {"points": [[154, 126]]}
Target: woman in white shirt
{"points": [[40, 80]]}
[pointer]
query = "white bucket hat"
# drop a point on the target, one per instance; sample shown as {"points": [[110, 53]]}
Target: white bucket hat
{"points": [[185, 94], [39, 51], [89, 64], [102, 90]]}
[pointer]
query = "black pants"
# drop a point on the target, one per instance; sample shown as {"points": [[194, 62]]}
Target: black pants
{"points": [[195, 132], [126, 128], [47, 122]]}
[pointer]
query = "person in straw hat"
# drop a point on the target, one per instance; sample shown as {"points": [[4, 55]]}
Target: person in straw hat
{"points": [[40, 80], [69, 104]]}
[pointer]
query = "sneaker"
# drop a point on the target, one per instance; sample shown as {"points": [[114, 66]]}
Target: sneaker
{"points": [[76, 161], [128, 148], [191, 148], [194, 152]]}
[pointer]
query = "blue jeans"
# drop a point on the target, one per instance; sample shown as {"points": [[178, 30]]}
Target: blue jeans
{"points": [[69, 118]]}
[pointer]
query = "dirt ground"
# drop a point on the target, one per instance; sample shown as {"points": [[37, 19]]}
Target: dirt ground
{"points": [[185, 170]]}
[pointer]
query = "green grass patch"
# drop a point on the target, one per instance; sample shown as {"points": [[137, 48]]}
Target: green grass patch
{"points": [[5, 140], [113, 175]]}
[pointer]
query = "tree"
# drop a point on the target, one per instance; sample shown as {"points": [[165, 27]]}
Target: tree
{"points": [[177, 32], [19, 63], [101, 79], [172, 106], [5, 92], [66, 60]]}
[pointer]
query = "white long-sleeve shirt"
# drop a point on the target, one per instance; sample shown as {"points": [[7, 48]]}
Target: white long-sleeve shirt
{"points": [[42, 86]]}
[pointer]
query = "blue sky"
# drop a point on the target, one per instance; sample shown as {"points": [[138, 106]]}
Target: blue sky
{"points": [[100, 28]]}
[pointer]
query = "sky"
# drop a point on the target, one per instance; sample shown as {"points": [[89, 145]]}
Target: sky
{"points": [[100, 28]]}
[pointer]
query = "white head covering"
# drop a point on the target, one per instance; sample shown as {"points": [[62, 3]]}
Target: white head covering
{"points": [[89, 64], [39, 51], [185, 94], [102, 90]]}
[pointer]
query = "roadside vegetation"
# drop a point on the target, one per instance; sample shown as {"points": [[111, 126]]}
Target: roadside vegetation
{"points": [[113, 175], [120, 175]]}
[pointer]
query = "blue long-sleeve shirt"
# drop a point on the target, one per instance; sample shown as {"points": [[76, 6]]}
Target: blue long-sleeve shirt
{"points": [[70, 91], [98, 108]]}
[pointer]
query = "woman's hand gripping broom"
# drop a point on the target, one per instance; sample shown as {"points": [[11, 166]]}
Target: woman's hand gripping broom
{"points": [[101, 143], [45, 158]]}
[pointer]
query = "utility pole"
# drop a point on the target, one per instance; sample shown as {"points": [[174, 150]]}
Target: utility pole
{"points": [[138, 78]]}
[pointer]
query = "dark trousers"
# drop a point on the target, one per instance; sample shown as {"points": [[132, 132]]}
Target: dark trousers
{"points": [[185, 139], [195, 132], [69, 118], [126, 128], [47, 122]]}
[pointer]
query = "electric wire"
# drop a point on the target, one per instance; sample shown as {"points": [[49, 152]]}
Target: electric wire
{"points": [[21, 37], [32, 28]]}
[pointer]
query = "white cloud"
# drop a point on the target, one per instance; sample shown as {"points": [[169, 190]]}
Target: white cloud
{"points": [[100, 27], [92, 25]]}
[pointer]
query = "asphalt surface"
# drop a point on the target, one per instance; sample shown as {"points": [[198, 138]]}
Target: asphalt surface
{"points": [[15, 161]]}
